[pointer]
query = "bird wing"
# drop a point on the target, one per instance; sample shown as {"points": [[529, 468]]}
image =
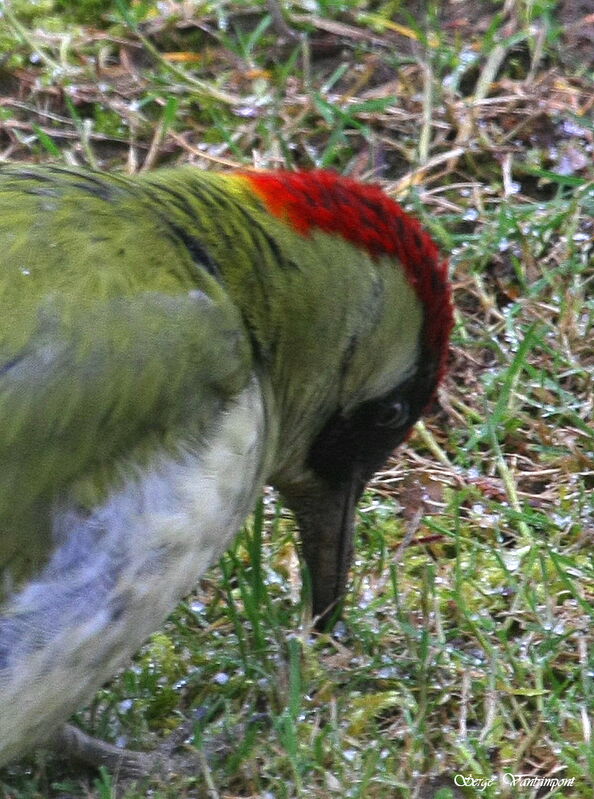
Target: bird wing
{"points": [[106, 342]]}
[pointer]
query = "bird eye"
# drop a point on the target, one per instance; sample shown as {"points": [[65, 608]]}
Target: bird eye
{"points": [[393, 415]]}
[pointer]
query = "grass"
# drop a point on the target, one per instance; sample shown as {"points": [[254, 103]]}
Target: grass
{"points": [[466, 646]]}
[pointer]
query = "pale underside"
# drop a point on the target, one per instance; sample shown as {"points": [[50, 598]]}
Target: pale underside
{"points": [[121, 568]]}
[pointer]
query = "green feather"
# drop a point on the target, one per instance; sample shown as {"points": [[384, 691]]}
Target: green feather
{"points": [[130, 309]]}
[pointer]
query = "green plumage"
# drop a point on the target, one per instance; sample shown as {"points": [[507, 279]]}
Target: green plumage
{"points": [[109, 339], [107, 342], [135, 312]]}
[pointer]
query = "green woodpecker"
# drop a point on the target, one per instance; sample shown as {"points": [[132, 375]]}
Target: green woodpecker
{"points": [[169, 343]]}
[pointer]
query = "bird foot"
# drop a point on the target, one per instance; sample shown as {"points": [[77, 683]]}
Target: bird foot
{"points": [[161, 762]]}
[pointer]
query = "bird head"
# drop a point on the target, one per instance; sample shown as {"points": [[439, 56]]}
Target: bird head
{"points": [[368, 345]]}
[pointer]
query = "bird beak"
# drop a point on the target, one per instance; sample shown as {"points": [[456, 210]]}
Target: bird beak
{"points": [[326, 518]]}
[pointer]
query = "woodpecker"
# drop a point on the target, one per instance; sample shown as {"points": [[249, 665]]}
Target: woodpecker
{"points": [[169, 344]]}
